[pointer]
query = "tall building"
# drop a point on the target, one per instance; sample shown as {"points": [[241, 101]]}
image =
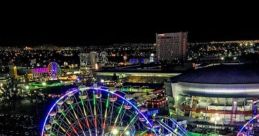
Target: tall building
{"points": [[13, 71], [89, 59], [171, 46], [84, 59], [93, 56]]}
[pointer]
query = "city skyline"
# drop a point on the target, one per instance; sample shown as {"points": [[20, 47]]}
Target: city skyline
{"points": [[182, 69]]}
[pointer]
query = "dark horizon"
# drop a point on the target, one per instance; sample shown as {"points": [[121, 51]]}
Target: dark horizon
{"points": [[86, 39], [125, 25]]}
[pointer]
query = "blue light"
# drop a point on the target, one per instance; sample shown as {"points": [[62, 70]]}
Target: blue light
{"points": [[243, 127]]}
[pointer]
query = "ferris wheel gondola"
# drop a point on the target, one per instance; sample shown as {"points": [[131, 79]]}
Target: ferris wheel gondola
{"points": [[93, 111]]}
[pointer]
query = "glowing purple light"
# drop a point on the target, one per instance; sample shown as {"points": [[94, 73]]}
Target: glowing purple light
{"points": [[40, 70]]}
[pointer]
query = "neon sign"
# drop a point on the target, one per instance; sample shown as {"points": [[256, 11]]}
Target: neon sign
{"points": [[52, 70], [40, 70]]}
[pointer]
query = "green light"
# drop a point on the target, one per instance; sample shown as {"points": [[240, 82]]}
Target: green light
{"points": [[44, 83], [142, 133], [127, 133], [65, 117], [171, 113], [94, 99], [107, 102], [121, 108], [82, 102], [95, 112], [71, 106], [27, 87], [63, 113], [59, 126], [119, 113]]}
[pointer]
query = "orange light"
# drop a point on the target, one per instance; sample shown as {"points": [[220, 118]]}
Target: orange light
{"points": [[96, 66]]}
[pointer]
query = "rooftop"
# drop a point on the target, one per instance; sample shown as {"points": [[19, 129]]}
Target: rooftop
{"points": [[222, 74]]}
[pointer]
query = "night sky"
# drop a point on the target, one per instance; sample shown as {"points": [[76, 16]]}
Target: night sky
{"points": [[121, 24]]}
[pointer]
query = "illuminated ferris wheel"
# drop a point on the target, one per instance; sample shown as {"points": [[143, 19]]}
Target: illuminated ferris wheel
{"points": [[165, 126], [94, 111], [53, 70], [248, 128]]}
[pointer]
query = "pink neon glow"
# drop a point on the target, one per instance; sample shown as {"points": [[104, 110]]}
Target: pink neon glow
{"points": [[40, 70]]}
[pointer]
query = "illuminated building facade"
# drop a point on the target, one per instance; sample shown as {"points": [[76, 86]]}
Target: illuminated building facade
{"points": [[13, 71], [93, 59], [84, 59], [171, 46], [224, 91]]}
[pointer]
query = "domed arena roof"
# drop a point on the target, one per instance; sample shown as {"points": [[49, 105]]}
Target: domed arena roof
{"points": [[222, 74]]}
